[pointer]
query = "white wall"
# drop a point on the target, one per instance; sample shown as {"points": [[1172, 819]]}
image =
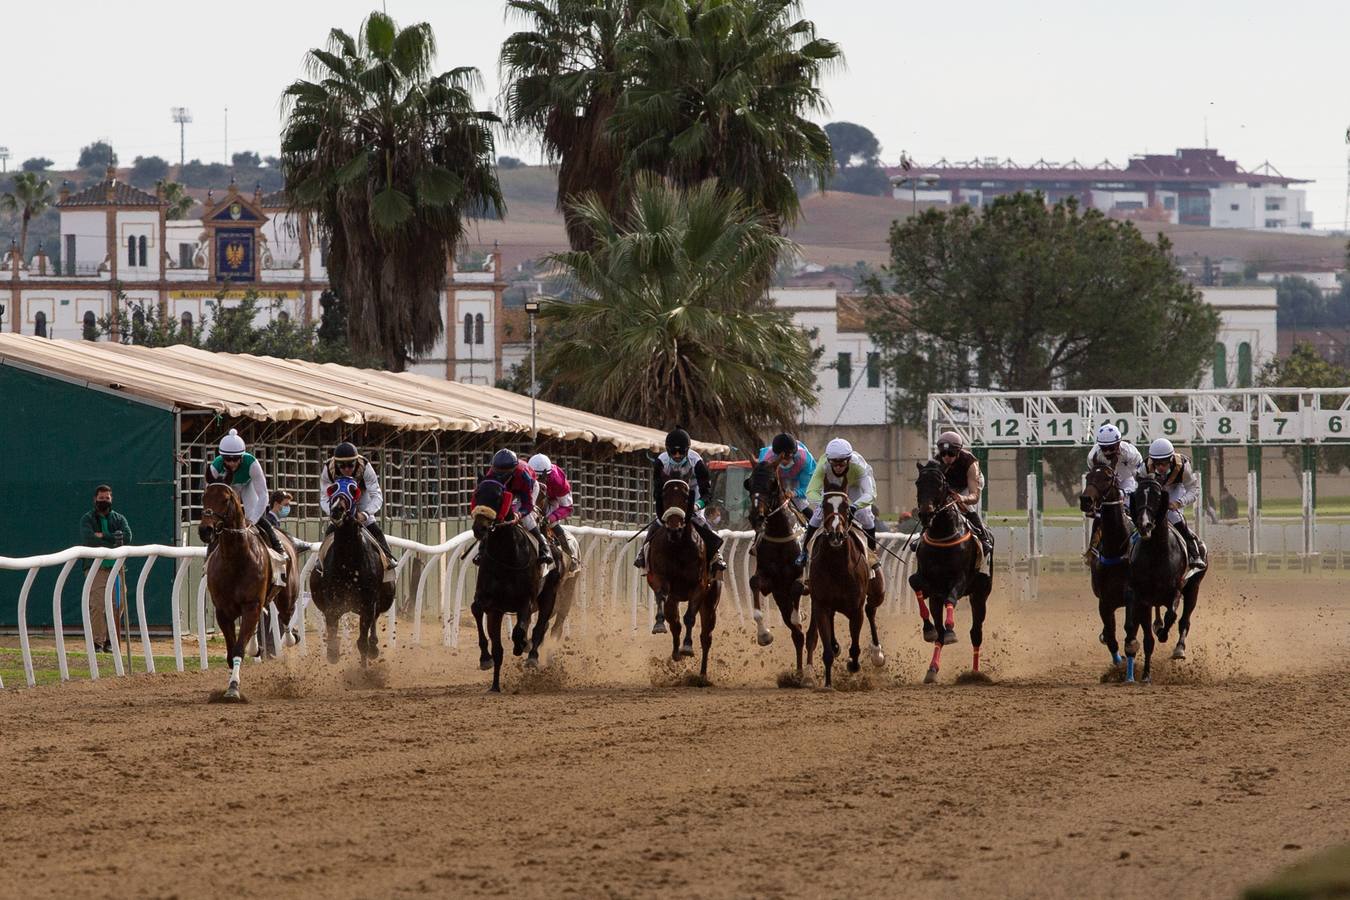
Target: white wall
{"points": [[91, 243], [1247, 316], [1240, 206]]}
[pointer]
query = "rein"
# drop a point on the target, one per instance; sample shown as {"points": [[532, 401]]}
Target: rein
{"points": [[793, 531]]}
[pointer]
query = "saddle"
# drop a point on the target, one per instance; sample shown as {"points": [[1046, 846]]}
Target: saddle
{"points": [[856, 534]]}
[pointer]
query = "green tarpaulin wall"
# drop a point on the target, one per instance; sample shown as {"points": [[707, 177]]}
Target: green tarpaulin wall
{"points": [[59, 441]]}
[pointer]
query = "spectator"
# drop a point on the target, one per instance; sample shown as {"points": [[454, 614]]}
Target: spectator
{"points": [[278, 507], [103, 526]]}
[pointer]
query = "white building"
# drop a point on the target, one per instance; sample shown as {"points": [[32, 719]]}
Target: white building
{"points": [[1259, 206], [1247, 337]]}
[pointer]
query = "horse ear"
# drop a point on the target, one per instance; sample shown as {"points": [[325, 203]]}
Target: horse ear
{"points": [[747, 484]]}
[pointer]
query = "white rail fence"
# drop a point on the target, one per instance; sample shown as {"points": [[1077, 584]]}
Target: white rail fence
{"points": [[608, 587]]}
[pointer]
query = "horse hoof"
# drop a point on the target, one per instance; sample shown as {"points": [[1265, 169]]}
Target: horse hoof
{"points": [[1179, 652], [1131, 647], [1160, 632], [659, 627], [687, 652], [948, 636], [485, 664], [1147, 679], [289, 639], [930, 634], [1101, 638], [495, 689], [878, 657], [765, 638], [532, 662], [333, 655], [854, 666], [930, 677]]}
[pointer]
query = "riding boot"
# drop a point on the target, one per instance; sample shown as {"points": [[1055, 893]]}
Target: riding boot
{"points": [[713, 541], [800, 561], [981, 533], [871, 539], [270, 534], [641, 561], [545, 551], [1193, 559], [561, 536], [378, 534]]}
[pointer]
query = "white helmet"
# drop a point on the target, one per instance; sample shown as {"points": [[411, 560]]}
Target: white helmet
{"points": [[1161, 448], [1108, 435], [232, 444], [541, 464], [838, 449]]}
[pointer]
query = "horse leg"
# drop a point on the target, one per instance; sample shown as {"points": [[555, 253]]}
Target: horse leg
{"points": [[812, 634], [330, 633], [873, 602], [763, 634], [671, 610], [1170, 618], [949, 622], [824, 624], [232, 654], [365, 633], [1135, 618], [494, 627], [484, 657], [707, 621], [690, 614], [519, 632], [548, 601], [248, 621], [787, 607], [855, 621], [979, 607], [1159, 630], [1147, 676], [371, 618], [1107, 611], [1189, 598]]}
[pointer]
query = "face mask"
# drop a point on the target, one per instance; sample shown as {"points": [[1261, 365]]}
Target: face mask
{"points": [[103, 505], [285, 511]]}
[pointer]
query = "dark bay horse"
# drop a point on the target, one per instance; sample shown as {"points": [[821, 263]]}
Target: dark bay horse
{"points": [[239, 572], [1157, 578], [350, 577], [1102, 498], [949, 567], [509, 581], [776, 571], [842, 583], [677, 572]]}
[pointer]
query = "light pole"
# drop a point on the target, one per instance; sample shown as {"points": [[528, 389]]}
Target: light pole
{"points": [[927, 180], [532, 309], [4, 159]]}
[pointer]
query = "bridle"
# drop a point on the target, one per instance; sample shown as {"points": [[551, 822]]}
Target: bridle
{"points": [[949, 504], [785, 503], [218, 525]]}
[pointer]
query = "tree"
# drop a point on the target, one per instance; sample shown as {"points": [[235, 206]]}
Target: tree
{"points": [[97, 155], [146, 170], [179, 200], [509, 162], [30, 197], [245, 159], [1019, 296], [37, 164], [392, 160], [852, 145], [1299, 303], [869, 180], [665, 327]]}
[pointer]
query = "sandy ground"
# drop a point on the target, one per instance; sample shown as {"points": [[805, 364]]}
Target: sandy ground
{"points": [[604, 776]]}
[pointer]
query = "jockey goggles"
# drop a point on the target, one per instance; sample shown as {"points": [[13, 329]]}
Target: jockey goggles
{"points": [[232, 457], [948, 450]]}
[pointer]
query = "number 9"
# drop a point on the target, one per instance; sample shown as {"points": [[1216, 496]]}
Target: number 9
{"points": [[1169, 426]]}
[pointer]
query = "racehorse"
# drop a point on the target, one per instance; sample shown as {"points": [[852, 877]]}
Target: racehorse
{"points": [[949, 567], [509, 581], [350, 576], [565, 551], [239, 570], [1158, 578], [1103, 498], [838, 570], [677, 572], [776, 569]]}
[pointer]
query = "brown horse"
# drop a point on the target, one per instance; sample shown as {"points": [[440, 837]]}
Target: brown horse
{"points": [[842, 583], [239, 575], [677, 572], [776, 570], [568, 568]]}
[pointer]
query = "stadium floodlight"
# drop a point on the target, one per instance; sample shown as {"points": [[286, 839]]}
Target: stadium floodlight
{"points": [[183, 117]]}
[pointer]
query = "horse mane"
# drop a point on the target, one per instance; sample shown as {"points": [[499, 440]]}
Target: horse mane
{"points": [[763, 477]]}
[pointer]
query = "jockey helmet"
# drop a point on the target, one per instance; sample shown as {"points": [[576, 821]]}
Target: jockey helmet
{"points": [[1161, 449], [784, 443], [677, 441], [541, 464], [838, 449], [504, 460], [345, 452], [232, 444], [1108, 435], [949, 443]]}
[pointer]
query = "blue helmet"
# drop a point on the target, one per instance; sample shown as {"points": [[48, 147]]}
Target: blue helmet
{"points": [[504, 460]]}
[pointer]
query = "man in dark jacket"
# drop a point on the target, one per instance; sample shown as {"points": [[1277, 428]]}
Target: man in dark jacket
{"points": [[103, 526]]}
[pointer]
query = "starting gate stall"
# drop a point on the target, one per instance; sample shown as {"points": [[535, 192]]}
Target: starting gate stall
{"points": [[1207, 422]]}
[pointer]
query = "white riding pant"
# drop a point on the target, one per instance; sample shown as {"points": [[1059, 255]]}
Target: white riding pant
{"points": [[864, 518], [800, 503], [1175, 492]]}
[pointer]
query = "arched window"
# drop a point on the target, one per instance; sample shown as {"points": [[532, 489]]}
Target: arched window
{"points": [[141, 247], [478, 329], [186, 319], [131, 251], [40, 324], [284, 316], [138, 321], [468, 328], [1220, 366], [90, 322], [1244, 365]]}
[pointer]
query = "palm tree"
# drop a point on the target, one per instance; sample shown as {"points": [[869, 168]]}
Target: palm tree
{"points": [[664, 327], [563, 81], [722, 88], [30, 198], [179, 200], [392, 160]]}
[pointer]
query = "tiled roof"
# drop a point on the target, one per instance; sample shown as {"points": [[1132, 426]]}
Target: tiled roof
{"points": [[123, 194]]}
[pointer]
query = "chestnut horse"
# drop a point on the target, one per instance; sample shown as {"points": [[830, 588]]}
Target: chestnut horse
{"points": [[776, 570], [842, 582], [677, 572], [239, 572]]}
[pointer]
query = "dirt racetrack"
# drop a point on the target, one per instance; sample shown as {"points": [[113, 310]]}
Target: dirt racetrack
{"points": [[604, 776]]}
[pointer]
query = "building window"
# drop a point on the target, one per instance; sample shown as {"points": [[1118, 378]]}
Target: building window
{"points": [[69, 259], [184, 256], [1244, 361], [186, 320], [1274, 223], [1220, 366], [141, 245], [478, 329], [1274, 204], [874, 370], [1169, 203], [468, 328], [40, 324], [131, 251], [90, 327], [1234, 207], [845, 367], [284, 317]]}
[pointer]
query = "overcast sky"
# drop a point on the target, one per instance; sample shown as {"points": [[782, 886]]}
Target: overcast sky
{"points": [[1028, 80]]}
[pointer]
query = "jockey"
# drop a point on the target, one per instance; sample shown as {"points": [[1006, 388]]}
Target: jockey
{"points": [[242, 471], [962, 471], [1119, 455], [846, 471], [347, 463], [513, 474], [685, 464], [1175, 474], [796, 466], [552, 493]]}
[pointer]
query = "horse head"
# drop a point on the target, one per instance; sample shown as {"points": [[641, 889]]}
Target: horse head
{"points": [[221, 509], [766, 494], [342, 497], [837, 517], [489, 507], [1150, 501], [1101, 486], [932, 491], [675, 504]]}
